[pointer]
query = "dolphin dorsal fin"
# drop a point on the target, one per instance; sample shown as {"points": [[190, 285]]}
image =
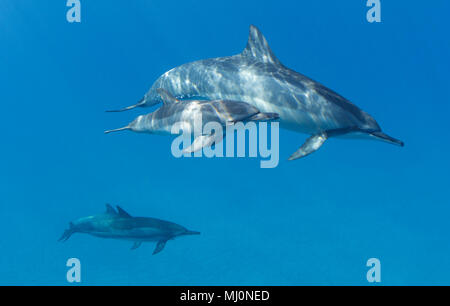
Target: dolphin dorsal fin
{"points": [[258, 47], [166, 96], [123, 213], [110, 210]]}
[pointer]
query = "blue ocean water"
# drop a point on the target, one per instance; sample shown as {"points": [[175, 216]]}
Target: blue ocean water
{"points": [[314, 221]]}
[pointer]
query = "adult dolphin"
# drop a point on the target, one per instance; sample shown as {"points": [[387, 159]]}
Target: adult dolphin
{"points": [[257, 77], [121, 225]]}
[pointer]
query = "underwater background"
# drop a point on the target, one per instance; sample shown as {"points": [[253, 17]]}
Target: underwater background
{"points": [[314, 221]]}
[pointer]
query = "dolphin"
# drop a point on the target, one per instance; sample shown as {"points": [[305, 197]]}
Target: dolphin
{"points": [[121, 225], [257, 77], [192, 114]]}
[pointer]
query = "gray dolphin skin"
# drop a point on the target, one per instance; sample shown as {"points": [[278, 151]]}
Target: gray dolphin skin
{"points": [[120, 225], [257, 77], [187, 115]]}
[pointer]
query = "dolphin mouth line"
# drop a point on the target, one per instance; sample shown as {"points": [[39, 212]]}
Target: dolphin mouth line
{"points": [[386, 138]]}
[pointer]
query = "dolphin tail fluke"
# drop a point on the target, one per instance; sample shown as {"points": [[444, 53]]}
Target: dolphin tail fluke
{"points": [[118, 130], [159, 246], [386, 138], [264, 117], [311, 145], [67, 233], [139, 104]]}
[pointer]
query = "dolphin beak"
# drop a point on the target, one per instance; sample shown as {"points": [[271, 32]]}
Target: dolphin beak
{"points": [[386, 138], [191, 233], [117, 130], [140, 103]]}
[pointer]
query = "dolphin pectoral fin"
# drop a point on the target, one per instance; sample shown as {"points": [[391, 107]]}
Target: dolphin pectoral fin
{"points": [[198, 143], [311, 145], [159, 246], [203, 141], [136, 245]]}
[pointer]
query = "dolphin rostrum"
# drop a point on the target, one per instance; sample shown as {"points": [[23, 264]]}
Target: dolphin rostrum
{"points": [[257, 77], [120, 225], [190, 113]]}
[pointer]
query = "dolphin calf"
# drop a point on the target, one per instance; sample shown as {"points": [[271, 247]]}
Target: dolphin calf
{"points": [[120, 225], [257, 77], [187, 114]]}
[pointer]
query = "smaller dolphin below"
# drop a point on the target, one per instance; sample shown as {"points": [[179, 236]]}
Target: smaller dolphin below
{"points": [[187, 113], [120, 225]]}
